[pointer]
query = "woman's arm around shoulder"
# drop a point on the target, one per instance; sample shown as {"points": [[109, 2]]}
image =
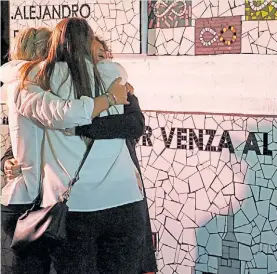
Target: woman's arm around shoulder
{"points": [[129, 125], [50, 110]]}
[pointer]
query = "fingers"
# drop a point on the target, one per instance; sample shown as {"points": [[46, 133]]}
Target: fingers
{"points": [[119, 92], [12, 162], [9, 177], [126, 102], [12, 169], [68, 131], [8, 164], [12, 176]]}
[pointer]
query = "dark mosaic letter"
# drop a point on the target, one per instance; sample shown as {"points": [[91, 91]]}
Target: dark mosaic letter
{"points": [[251, 144], [181, 136], [225, 142], [146, 136], [167, 141], [18, 12], [209, 146], [265, 145], [198, 141]]}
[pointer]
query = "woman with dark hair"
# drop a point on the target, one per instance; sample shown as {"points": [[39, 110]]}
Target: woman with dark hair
{"points": [[17, 194], [106, 220], [125, 128], [128, 126]]}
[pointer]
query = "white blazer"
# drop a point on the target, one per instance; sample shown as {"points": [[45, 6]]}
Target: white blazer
{"points": [[45, 108]]}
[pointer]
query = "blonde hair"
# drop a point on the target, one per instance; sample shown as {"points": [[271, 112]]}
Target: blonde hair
{"points": [[31, 44]]}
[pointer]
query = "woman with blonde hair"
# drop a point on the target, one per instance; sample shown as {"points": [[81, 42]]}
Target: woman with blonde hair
{"points": [[106, 219], [17, 195], [28, 45]]}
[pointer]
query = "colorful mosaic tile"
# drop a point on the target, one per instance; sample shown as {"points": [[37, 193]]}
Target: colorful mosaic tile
{"points": [[259, 37], [260, 10], [218, 35], [169, 14]]}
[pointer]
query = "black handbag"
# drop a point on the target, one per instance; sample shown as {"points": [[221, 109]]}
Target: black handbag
{"points": [[49, 222]]}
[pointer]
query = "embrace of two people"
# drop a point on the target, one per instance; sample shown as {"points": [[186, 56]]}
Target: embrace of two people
{"points": [[62, 91]]}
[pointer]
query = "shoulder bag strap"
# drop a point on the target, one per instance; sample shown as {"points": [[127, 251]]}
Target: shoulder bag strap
{"points": [[72, 182], [38, 199]]}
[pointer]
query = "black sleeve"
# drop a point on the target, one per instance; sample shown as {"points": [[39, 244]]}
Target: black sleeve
{"points": [[7, 156], [129, 125]]}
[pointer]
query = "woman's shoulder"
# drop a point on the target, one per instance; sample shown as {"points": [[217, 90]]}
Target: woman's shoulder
{"points": [[109, 64], [112, 69], [9, 72]]}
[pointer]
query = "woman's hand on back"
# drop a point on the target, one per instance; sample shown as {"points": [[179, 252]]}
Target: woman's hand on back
{"points": [[12, 169], [116, 95], [118, 92]]}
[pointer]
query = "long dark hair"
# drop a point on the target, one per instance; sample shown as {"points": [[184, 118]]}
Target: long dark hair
{"points": [[71, 42]]}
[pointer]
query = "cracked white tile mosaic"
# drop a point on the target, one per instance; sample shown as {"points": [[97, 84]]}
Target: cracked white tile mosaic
{"points": [[202, 27], [219, 217], [214, 210], [259, 37], [116, 21]]}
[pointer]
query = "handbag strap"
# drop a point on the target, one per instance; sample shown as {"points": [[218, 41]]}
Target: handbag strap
{"points": [[73, 181], [37, 201]]}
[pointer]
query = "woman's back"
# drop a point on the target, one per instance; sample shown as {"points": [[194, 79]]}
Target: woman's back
{"points": [[102, 173]]}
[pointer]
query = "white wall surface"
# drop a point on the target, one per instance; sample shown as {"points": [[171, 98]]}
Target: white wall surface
{"points": [[218, 84]]}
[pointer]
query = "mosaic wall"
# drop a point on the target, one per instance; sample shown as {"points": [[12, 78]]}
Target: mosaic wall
{"points": [[212, 188], [211, 183], [201, 27], [117, 21], [212, 37], [211, 180], [260, 10], [184, 27]]}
